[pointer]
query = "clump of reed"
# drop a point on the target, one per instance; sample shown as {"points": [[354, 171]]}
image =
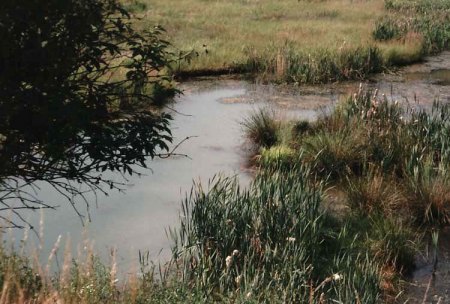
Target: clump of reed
{"points": [[271, 243], [390, 161], [429, 196], [374, 193], [287, 64], [333, 155], [385, 156], [261, 128]]}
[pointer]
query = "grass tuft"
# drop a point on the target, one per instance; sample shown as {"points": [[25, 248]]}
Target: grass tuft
{"points": [[261, 128]]}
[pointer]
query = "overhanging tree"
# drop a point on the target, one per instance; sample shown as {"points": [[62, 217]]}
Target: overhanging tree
{"points": [[76, 83]]}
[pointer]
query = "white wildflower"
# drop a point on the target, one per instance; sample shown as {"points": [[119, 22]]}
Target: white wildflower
{"points": [[337, 277], [235, 252], [290, 239], [228, 261]]}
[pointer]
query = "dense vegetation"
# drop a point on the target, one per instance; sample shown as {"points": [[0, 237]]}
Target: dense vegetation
{"points": [[77, 87], [387, 159], [337, 209], [335, 213], [426, 21]]}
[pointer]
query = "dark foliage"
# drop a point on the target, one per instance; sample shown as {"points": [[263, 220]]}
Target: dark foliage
{"points": [[74, 102]]}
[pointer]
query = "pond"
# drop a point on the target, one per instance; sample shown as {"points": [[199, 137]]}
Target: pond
{"points": [[209, 112]]}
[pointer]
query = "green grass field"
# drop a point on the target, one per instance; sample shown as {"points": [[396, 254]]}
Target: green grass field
{"points": [[296, 40], [232, 29]]}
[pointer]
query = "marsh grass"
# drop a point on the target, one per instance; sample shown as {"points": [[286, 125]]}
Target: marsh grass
{"points": [[334, 155], [318, 66], [390, 241], [374, 193], [271, 243], [261, 128], [429, 19], [280, 157], [278, 40], [429, 196], [387, 157], [85, 279]]}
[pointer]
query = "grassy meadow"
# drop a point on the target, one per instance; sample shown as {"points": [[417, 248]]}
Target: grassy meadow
{"points": [[384, 165], [296, 41]]}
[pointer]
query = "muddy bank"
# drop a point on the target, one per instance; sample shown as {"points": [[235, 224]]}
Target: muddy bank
{"points": [[419, 83], [430, 282]]}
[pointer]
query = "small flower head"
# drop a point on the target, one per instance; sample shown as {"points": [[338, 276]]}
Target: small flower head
{"points": [[228, 261], [337, 277], [235, 252], [238, 280]]}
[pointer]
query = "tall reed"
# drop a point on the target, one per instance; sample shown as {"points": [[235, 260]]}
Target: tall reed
{"points": [[267, 243]]}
